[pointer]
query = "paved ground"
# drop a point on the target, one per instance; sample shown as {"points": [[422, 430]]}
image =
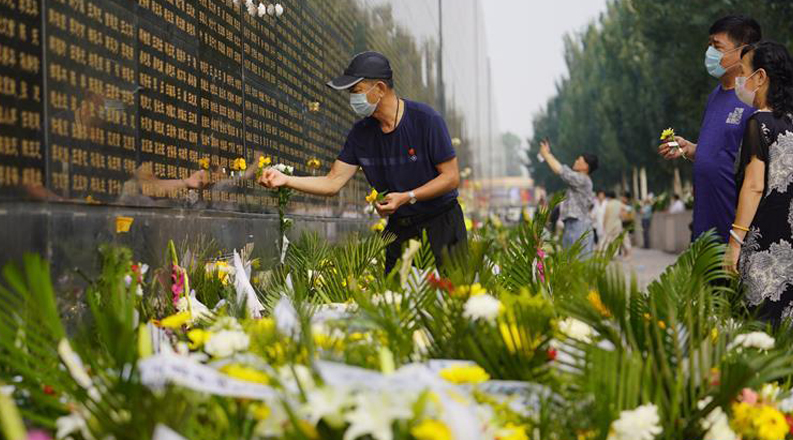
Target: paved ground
{"points": [[647, 264]]}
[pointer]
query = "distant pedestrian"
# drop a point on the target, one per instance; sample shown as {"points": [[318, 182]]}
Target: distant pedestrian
{"points": [[677, 205], [578, 198]]}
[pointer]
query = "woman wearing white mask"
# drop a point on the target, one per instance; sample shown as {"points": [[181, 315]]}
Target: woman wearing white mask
{"points": [[404, 149], [761, 239]]}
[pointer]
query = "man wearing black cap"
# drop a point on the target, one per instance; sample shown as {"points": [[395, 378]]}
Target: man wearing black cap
{"points": [[404, 149]]}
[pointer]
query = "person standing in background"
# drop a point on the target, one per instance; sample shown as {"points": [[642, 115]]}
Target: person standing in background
{"points": [[598, 210], [575, 209], [677, 205], [647, 220], [613, 213]]}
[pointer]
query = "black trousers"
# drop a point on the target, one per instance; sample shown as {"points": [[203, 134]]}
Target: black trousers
{"points": [[445, 232]]}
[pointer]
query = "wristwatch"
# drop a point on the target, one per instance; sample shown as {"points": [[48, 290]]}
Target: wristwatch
{"points": [[413, 198]]}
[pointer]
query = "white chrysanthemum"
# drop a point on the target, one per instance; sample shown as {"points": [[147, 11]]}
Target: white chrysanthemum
{"points": [[279, 10], [575, 329], [641, 423], [759, 340], [271, 9], [482, 307], [251, 7], [716, 424], [262, 10], [286, 169], [227, 342]]}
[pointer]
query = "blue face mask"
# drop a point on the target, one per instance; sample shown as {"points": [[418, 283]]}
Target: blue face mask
{"points": [[713, 62], [361, 106], [713, 59]]}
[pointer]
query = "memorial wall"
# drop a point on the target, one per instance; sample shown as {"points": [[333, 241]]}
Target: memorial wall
{"points": [[116, 103]]}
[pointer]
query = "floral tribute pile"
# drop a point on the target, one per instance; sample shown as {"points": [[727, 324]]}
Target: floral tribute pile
{"points": [[515, 339]]}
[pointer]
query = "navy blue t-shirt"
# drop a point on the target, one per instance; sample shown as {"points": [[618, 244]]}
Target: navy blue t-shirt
{"points": [[404, 159]]}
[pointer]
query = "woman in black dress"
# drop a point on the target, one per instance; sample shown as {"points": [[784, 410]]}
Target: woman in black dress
{"points": [[761, 243]]}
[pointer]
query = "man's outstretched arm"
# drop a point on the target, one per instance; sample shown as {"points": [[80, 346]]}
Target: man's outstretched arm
{"points": [[329, 185]]}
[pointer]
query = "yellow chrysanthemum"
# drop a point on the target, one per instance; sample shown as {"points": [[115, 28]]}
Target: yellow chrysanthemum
{"points": [[431, 430], [247, 374], [327, 342], [594, 299], [770, 423], [512, 432], [668, 134], [475, 289], [742, 416], [175, 321], [372, 197], [465, 374], [379, 226], [314, 163], [198, 338], [239, 164], [469, 224], [264, 161], [203, 163]]}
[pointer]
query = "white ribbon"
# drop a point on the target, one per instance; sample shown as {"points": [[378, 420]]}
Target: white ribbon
{"points": [[161, 369]]}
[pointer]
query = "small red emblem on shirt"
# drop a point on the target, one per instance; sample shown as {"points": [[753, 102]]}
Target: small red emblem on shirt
{"points": [[412, 152]]}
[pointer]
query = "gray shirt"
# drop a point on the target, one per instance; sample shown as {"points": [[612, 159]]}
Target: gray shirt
{"points": [[579, 195]]}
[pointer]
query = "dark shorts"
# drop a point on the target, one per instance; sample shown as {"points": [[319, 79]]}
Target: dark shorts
{"points": [[445, 232]]}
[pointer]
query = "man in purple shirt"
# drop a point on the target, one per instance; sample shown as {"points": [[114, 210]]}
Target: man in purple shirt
{"points": [[723, 123]]}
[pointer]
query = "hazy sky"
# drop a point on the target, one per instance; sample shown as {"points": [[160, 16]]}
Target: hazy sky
{"points": [[525, 42]]}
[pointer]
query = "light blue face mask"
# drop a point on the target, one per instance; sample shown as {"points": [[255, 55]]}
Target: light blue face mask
{"points": [[360, 105], [713, 62], [713, 59]]}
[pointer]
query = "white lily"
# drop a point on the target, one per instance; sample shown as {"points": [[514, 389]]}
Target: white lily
{"points": [[73, 423], [329, 404], [374, 414]]}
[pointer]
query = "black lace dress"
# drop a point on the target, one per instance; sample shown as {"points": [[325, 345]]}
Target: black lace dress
{"points": [[766, 261]]}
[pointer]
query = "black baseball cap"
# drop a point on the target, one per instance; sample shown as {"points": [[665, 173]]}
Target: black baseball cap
{"points": [[365, 65]]}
